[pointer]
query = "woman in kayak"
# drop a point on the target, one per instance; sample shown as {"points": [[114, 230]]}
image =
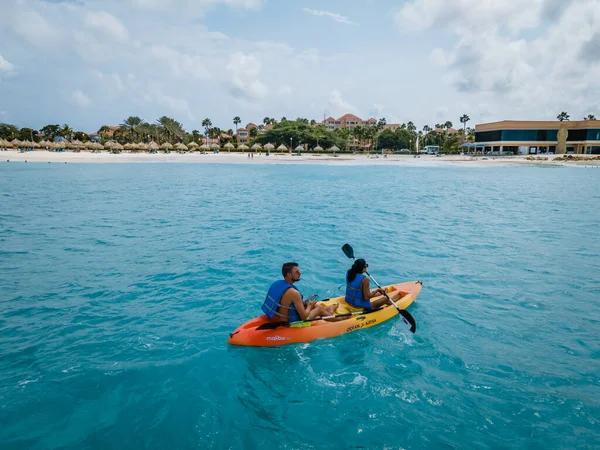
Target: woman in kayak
{"points": [[358, 292], [284, 301]]}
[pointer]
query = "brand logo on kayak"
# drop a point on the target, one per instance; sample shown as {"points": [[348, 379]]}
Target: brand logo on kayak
{"points": [[278, 338], [361, 325]]}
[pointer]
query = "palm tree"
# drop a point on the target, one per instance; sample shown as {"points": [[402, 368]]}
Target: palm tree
{"points": [[464, 119], [104, 130], [170, 128], [207, 124], [131, 126], [236, 122], [214, 133], [563, 116], [66, 131], [590, 117], [267, 120], [448, 125]]}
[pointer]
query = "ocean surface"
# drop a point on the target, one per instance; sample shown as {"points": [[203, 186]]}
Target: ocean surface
{"points": [[119, 285]]}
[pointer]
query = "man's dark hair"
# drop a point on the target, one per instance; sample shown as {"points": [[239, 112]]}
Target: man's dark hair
{"points": [[287, 268]]}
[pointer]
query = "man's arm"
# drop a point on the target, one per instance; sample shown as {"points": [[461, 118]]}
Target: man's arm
{"points": [[293, 296]]}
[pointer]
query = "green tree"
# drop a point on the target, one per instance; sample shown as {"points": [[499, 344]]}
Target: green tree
{"points": [[66, 132], [214, 132], [464, 119], [236, 122], [447, 125], [81, 136], [207, 124], [170, 129], [131, 126], [103, 130], [590, 117], [8, 131], [50, 131], [27, 134], [196, 136], [563, 116]]}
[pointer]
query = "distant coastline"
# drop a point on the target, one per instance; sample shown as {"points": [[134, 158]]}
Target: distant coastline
{"points": [[43, 156]]}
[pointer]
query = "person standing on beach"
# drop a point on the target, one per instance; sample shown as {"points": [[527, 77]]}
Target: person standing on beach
{"points": [[284, 301]]}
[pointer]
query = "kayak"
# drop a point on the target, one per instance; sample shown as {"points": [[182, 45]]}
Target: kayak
{"points": [[250, 334]]}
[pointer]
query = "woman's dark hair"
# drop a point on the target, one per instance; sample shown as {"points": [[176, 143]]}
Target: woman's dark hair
{"points": [[356, 268]]}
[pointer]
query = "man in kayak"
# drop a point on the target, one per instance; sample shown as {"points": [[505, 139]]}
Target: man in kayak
{"points": [[358, 292], [284, 301]]}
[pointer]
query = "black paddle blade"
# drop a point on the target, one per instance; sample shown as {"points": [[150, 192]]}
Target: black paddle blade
{"points": [[348, 251], [409, 320], [273, 325]]}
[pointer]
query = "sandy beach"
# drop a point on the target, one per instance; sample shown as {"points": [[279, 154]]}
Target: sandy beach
{"points": [[286, 158]]}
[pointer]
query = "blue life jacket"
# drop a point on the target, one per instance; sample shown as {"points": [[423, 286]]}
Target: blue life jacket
{"points": [[273, 302], [354, 294]]}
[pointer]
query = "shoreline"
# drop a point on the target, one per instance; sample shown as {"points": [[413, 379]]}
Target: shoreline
{"points": [[43, 156]]}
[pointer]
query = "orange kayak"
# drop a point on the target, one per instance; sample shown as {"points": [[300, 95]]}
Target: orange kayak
{"points": [[402, 294]]}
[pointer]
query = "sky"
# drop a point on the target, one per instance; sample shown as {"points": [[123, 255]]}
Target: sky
{"points": [[89, 63]]}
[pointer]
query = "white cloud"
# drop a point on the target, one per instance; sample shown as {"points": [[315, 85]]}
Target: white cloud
{"points": [[477, 15], [30, 25], [335, 16], [78, 98], [244, 70], [5, 66], [107, 23], [195, 8], [181, 64], [521, 72], [338, 106]]}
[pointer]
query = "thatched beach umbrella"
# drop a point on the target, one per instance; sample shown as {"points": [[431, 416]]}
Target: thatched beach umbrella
{"points": [[269, 146], [282, 148], [166, 146], [299, 148], [204, 147], [129, 146], [214, 145], [181, 146], [193, 145], [229, 146], [15, 143], [256, 146], [140, 146], [334, 148], [152, 145], [243, 147], [108, 145]]}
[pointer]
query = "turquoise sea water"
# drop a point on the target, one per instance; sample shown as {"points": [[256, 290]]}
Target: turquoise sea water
{"points": [[120, 283]]}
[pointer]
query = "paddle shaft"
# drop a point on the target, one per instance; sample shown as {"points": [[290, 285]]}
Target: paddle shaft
{"points": [[273, 325]]}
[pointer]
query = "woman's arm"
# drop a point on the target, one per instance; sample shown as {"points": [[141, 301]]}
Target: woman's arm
{"points": [[364, 285]]}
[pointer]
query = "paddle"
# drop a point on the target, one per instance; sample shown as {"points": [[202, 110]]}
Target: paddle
{"points": [[406, 317], [274, 325]]}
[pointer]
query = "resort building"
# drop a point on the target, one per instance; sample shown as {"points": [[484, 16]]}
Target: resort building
{"points": [[530, 138], [348, 121], [109, 133], [243, 136]]}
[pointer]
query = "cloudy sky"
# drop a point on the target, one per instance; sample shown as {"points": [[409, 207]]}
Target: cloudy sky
{"points": [[94, 62]]}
